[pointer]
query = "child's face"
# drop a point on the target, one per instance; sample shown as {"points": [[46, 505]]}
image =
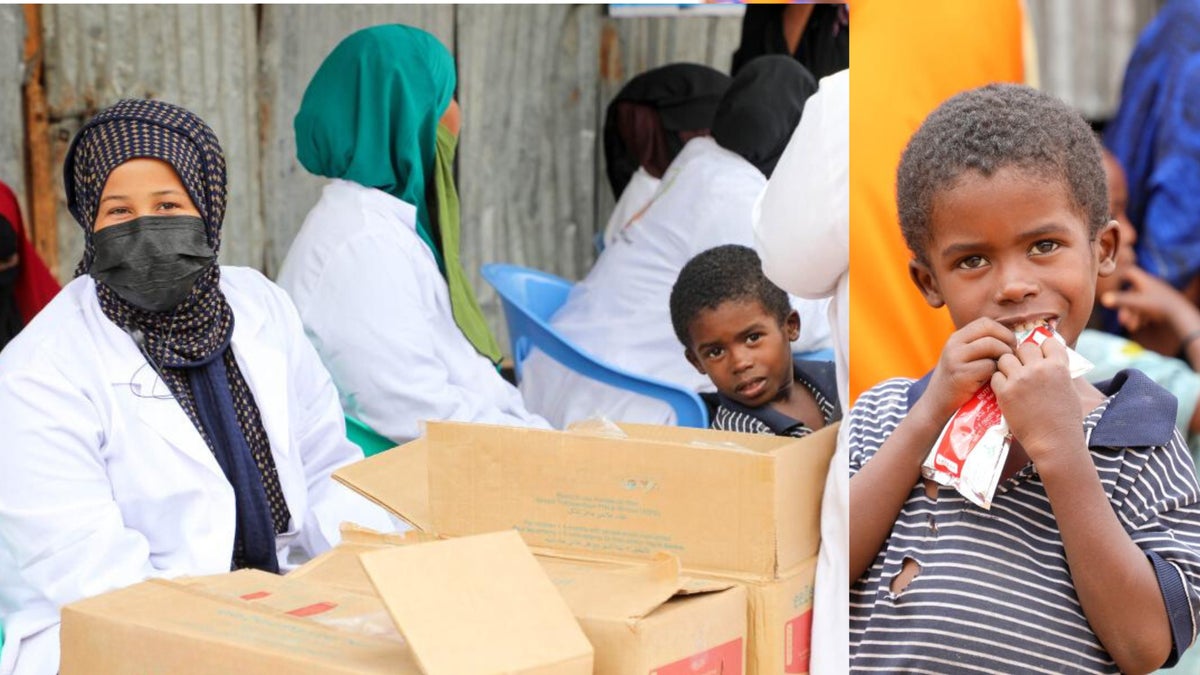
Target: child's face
{"points": [[744, 350], [1014, 248]]}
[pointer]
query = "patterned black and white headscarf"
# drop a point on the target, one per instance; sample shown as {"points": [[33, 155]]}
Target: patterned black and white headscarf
{"points": [[183, 342]]}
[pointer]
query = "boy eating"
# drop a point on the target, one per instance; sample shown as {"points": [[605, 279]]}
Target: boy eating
{"points": [[737, 328], [1088, 559]]}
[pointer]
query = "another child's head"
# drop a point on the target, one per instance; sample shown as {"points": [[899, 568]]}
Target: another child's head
{"points": [[1002, 202], [735, 325], [1118, 199]]}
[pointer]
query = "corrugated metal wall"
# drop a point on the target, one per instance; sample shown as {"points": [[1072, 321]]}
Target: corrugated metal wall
{"points": [[1083, 46], [12, 126], [533, 83], [203, 58]]}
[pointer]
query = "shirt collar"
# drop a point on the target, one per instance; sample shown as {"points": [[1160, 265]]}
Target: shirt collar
{"points": [[779, 423], [1142, 416]]}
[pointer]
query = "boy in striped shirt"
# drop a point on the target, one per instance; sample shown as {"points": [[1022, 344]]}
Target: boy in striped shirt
{"points": [[1089, 558], [737, 328]]}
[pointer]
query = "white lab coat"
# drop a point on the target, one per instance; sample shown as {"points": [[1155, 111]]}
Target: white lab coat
{"points": [[636, 195], [104, 481], [378, 312], [621, 312], [802, 226]]}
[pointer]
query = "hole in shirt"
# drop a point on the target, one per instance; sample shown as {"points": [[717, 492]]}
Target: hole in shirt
{"points": [[909, 570]]}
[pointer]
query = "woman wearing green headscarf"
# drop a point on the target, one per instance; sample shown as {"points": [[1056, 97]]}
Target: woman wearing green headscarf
{"points": [[375, 269]]}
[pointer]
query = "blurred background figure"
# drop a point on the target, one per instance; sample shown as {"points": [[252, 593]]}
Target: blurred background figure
{"points": [[652, 117], [25, 283], [1155, 135], [816, 35]]}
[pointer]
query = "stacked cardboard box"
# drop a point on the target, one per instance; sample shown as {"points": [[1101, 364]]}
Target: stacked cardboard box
{"points": [[736, 507]]}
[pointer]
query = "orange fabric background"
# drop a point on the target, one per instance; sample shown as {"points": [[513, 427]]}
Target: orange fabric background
{"points": [[906, 59]]}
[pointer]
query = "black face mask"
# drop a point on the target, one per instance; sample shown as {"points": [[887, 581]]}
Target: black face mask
{"points": [[153, 261]]}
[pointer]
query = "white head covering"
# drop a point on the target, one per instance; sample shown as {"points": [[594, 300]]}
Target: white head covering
{"points": [[802, 232]]}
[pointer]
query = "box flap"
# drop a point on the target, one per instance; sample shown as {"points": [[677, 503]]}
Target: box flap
{"points": [[478, 604], [705, 437], [397, 480], [340, 566], [801, 470], [625, 592]]}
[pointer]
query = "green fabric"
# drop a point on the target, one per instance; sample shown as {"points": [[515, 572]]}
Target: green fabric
{"points": [[370, 115], [465, 305]]}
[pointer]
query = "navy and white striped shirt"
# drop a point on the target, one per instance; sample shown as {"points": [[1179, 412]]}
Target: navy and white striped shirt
{"points": [[993, 593]]}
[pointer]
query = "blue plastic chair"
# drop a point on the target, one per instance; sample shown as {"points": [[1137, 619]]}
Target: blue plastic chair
{"points": [[530, 297], [365, 437]]}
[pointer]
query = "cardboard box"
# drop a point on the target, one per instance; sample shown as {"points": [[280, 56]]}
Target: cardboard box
{"points": [[722, 502], [780, 622], [472, 605], [641, 617], [646, 618]]}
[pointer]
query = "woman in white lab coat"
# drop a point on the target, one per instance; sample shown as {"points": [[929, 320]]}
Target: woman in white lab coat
{"points": [[162, 415], [646, 125], [375, 268]]}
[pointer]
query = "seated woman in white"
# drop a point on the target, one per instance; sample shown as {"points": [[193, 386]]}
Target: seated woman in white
{"points": [[375, 268], [163, 415], [646, 125], [620, 312]]}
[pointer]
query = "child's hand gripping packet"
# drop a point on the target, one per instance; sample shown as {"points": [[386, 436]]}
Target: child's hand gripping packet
{"points": [[970, 452]]}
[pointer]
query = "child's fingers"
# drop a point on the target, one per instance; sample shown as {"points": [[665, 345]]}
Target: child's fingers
{"points": [[984, 327], [1006, 365], [988, 347]]}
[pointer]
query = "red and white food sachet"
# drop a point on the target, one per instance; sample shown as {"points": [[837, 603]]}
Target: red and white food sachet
{"points": [[970, 452]]}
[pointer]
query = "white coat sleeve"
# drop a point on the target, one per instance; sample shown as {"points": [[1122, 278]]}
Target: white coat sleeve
{"points": [[804, 207], [320, 437], [380, 333], [61, 530]]}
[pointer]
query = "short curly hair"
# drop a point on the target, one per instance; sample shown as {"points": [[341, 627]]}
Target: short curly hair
{"points": [[718, 275], [990, 128]]}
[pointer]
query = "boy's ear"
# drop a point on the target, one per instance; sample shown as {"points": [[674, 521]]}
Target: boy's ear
{"points": [[695, 361], [1108, 242], [791, 326], [923, 277]]}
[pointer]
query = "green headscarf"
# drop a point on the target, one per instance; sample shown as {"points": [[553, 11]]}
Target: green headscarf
{"points": [[370, 115]]}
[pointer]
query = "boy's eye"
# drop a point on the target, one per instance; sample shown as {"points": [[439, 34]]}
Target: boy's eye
{"points": [[972, 262], [1044, 246], [753, 337], [713, 352]]}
